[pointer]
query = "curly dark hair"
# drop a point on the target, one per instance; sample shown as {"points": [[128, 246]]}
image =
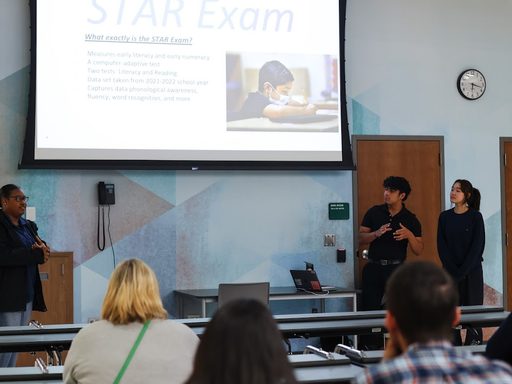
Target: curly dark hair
{"points": [[398, 183]]}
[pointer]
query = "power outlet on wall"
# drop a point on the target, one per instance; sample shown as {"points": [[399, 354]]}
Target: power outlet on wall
{"points": [[329, 240], [30, 213]]}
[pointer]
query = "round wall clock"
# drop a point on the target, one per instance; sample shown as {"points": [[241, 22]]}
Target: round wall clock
{"points": [[471, 84]]}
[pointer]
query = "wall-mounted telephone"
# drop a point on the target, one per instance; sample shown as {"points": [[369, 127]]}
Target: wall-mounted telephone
{"points": [[106, 194]]}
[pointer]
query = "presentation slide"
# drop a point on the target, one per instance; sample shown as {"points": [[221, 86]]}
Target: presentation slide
{"points": [[227, 80]]}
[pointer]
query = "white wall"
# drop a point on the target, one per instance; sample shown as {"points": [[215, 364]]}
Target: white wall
{"points": [[403, 60]]}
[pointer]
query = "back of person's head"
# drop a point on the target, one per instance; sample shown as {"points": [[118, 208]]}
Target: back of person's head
{"points": [[275, 73], [398, 183], [242, 344], [471, 194], [423, 299], [132, 294]]}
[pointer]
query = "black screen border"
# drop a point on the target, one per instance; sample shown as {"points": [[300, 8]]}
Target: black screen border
{"points": [[28, 160]]}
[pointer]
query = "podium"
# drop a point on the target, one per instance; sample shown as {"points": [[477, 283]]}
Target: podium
{"points": [[57, 281]]}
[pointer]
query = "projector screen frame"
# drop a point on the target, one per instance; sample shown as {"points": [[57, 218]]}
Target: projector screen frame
{"points": [[28, 160]]}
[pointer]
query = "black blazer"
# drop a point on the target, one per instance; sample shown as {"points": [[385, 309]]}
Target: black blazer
{"points": [[14, 259]]}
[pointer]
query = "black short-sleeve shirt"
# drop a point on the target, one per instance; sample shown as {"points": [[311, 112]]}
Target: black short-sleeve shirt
{"points": [[386, 247]]}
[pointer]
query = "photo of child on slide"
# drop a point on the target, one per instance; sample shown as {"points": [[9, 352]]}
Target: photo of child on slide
{"points": [[294, 93]]}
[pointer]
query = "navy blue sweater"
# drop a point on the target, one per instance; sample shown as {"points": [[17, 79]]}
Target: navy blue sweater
{"points": [[460, 241]]}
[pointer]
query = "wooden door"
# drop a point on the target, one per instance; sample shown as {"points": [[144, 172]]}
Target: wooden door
{"points": [[419, 160], [507, 175], [57, 281]]}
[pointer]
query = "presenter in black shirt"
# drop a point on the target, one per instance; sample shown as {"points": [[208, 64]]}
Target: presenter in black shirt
{"points": [[460, 244], [388, 229]]}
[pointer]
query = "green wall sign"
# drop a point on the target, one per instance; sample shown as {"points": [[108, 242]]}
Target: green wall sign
{"points": [[338, 211]]}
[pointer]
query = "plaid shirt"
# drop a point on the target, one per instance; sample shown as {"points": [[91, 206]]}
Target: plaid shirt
{"points": [[437, 362]]}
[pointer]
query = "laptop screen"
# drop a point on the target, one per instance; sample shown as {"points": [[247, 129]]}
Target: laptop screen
{"points": [[306, 280]]}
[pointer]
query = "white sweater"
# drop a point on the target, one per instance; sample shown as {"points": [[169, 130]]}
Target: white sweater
{"points": [[98, 351]]}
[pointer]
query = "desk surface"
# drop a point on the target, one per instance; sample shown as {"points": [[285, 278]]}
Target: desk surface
{"points": [[309, 317], [349, 323], [378, 314], [308, 369], [32, 374], [373, 357], [36, 342], [330, 373], [313, 360], [212, 293], [361, 325], [300, 328], [46, 329]]}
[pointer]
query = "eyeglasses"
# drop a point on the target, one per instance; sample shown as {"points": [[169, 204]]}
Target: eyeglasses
{"points": [[19, 198]]}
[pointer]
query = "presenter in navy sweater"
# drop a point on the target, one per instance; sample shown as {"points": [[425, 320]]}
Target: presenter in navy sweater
{"points": [[460, 243], [21, 250]]}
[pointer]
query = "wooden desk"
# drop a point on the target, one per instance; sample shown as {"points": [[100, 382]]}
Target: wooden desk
{"points": [[206, 296], [57, 282]]}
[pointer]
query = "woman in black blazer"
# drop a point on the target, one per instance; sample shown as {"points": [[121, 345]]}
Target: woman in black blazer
{"points": [[21, 250]]}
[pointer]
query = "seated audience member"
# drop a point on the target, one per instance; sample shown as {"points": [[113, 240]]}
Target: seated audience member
{"points": [[242, 345], [499, 345], [421, 311], [132, 311], [273, 99]]}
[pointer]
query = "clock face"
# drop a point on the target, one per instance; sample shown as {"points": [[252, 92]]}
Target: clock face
{"points": [[471, 84]]}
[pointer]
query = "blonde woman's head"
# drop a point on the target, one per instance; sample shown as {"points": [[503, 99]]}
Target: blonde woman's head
{"points": [[132, 294]]}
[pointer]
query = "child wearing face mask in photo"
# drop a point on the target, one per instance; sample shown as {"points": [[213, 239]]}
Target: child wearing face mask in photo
{"points": [[273, 98]]}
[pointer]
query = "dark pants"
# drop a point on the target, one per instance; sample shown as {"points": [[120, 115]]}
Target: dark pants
{"points": [[471, 292], [374, 281]]}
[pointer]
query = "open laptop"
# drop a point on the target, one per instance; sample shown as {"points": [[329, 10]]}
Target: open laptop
{"points": [[307, 280]]}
